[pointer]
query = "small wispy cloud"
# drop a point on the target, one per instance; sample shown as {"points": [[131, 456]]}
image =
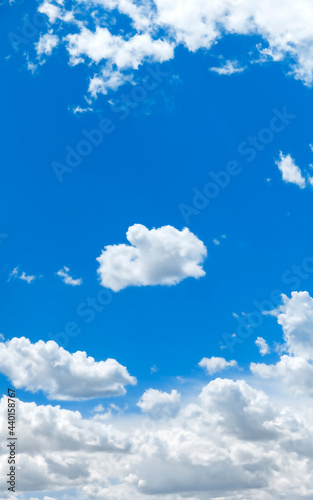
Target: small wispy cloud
{"points": [[23, 276], [80, 110], [263, 346], [290, 171], [27, 278], [228, 68], [218, 241], [67, 278], [98, 409]]}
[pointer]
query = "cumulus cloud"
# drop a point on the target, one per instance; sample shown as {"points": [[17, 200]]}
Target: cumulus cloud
{"points": [[230, 441], [46, 44], [67, 279], [160, 404], [215, 365], [290, 171], [296, 372], [163, 256], [58, 373], [158, 27], [262, 345], [295, 316]]}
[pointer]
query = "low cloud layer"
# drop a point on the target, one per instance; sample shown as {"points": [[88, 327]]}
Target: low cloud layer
{"points": [[58, 373], [231, 439], [163, 256]]}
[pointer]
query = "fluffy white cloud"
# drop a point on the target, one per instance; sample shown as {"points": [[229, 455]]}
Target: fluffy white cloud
{"points": [[159, 404], [46, 44], [163, 256], [295, 316], [67, 279], [157, 27], [296, 372], [230, 442], [215, 365], [290, 171], [61, 375], [262, 345], [102, 45]]}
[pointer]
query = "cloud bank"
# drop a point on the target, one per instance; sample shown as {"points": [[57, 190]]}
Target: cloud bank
{"points": [[240, 439]]}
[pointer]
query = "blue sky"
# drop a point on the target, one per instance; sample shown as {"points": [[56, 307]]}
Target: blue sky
{"points": [[194, 122]]}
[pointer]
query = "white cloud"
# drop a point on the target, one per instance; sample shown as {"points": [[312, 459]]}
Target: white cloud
{"points": [[231, 441], [27, 278], [228, 440], [214, 365], [296, 371], [58, 373], [157, 27], [158, 404], [216, 242], [262, 345], [98, 409], [46, 44], [163, 256], [23, 276], [295, 316], [228, 68], [290, 171], [67, 279], [80, 110], [1, 337]]}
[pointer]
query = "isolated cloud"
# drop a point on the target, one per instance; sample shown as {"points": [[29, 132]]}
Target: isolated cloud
{"points": [[58, 373], [22, 276], [290, 171], [215, 365], [228, 68], [67, 279], [159, 404], [262, 345], [156, 28], [163, 256]]}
